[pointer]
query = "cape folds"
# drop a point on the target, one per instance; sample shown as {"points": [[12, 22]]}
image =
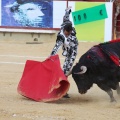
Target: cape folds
{"points": [[43, 81]]}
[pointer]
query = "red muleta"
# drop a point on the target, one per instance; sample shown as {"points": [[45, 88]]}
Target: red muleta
{"points": [[43, 81]]}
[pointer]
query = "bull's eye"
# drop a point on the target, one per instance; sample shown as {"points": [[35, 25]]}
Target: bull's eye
{"points": [[81, 77]]}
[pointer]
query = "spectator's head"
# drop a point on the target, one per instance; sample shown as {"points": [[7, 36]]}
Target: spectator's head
{"points": [[67, 30], [29, 12]]}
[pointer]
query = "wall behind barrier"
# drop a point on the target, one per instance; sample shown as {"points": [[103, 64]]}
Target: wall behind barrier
{"points": [[92, 20], [32, 13]]}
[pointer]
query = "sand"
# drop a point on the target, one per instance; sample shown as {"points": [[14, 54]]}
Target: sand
{"points": [[94, 105]]}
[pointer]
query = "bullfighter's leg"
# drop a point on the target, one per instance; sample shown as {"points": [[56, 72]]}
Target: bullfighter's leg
{"points": [[118, 89], [108, 90], [66, 72], [67, 67], [68, 63]]}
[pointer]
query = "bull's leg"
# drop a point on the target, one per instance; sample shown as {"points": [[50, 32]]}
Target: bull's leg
{"points": [[110, 93], [108, 90], [118, 89]]}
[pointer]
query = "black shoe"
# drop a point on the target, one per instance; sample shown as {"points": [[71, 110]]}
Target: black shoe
{"points": [[66, 96]]}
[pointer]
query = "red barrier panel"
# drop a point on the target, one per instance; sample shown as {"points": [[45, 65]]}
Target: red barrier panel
{"points": [[43, 81]]}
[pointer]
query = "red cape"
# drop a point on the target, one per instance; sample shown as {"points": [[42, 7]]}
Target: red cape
{"points": [[43, 81]]}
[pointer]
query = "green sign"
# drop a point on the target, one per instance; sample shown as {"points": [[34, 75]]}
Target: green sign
{"points": [[89, 14]]}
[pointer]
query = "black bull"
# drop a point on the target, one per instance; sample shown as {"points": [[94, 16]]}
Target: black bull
{"points": [[99, 65]]}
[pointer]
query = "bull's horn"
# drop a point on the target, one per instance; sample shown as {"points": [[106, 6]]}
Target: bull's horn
{"points": [[83, 70]]}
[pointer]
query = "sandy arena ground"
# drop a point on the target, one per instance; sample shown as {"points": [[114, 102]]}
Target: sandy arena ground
{"points": [[94, 105]]}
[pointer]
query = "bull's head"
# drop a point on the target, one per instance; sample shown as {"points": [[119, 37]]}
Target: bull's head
{"points": [[80, 75]]}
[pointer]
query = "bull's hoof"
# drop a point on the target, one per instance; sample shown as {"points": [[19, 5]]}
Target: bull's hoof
{"points": [[66, 96], [113, 101]]}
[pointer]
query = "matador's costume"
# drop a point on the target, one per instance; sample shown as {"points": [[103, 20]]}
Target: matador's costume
{"points": [[69, 45]]}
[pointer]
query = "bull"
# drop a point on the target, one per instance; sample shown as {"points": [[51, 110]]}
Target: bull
{"points": [[99, 65]]}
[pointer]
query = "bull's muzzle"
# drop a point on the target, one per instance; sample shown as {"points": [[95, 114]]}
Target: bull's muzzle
{"points": [[82, 91]]}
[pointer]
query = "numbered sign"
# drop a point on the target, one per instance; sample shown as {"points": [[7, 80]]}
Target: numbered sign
{"points": [[89, 14]]}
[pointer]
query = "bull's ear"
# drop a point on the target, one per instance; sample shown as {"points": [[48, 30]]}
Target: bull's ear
{"points": [[83, 70]]}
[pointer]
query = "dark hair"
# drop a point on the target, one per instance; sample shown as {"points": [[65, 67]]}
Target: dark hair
{"points": [[20, 1], [68, 27], [27, 1], [15, 8]]}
